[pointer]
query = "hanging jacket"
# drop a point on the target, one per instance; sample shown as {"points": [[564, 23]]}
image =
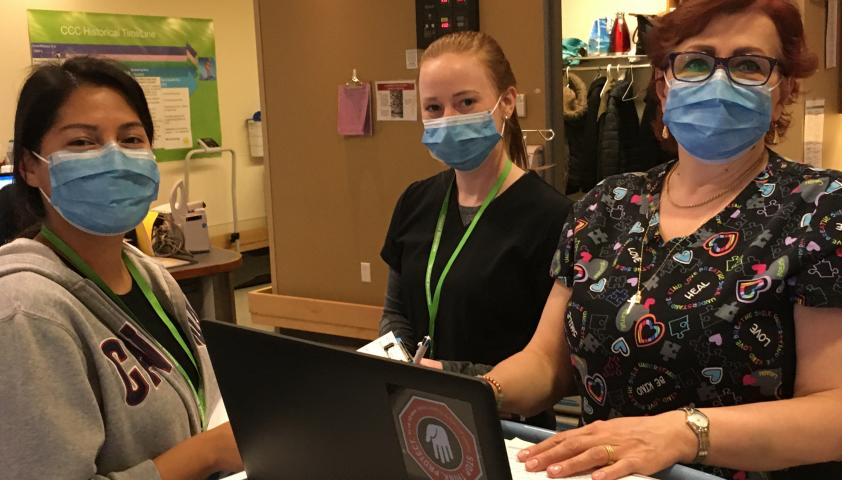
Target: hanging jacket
{"points": [[652, 152], [582, 173], [618, 142], [575, 110]]}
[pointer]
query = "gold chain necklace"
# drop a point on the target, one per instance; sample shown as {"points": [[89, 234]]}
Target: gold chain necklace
{"points": [[637, 298], [741, 178]]}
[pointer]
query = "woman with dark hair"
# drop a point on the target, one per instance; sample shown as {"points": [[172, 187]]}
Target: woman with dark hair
{"points": [[469, 247], [697, 306], [105, 374]]}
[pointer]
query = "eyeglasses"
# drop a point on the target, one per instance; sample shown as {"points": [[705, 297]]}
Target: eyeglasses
{"points": [[748, 70]]}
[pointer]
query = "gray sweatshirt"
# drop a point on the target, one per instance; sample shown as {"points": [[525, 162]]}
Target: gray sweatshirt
{"points": [[84, 392]]}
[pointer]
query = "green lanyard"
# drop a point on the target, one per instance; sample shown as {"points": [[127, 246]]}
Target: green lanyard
{"points": [[72, 257], [433, 299]]}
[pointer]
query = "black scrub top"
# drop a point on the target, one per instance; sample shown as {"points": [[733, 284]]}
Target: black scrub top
{"points": [[492, 298], [716, 327]]}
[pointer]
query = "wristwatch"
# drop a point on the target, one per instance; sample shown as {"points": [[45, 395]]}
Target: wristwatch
{"points": [[700, 425]]}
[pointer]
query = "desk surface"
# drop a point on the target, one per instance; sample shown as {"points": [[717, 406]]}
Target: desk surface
{"points": [[217, 260]]}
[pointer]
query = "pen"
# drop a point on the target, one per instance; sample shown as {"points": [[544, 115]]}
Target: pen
{"points": [[423, 345]]}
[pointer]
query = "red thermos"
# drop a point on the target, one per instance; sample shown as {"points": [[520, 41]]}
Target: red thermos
{"points": [[620, 38]]}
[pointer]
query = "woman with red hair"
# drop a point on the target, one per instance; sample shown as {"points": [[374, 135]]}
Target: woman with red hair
{"points": [[701, 301]]}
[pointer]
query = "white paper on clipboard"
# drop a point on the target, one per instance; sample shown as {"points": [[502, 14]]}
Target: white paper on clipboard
{"points": [[387, 346]]}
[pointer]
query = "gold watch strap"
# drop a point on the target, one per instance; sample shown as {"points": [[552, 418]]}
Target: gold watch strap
{"points": [[702, 433]]}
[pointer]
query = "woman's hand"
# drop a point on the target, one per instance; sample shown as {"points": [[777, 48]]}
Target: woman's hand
{"points": [[642, 445]]}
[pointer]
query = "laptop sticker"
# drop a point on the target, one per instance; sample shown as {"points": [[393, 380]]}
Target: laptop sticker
{"points": [[436, 442]]}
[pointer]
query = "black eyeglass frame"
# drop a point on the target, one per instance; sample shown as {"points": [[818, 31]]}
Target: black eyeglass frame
{"points": [[723, 61]]}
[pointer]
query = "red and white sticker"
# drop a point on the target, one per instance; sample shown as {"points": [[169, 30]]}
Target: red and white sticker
{"points": [[437, 440]]}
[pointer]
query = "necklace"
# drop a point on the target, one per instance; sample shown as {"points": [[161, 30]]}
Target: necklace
{"points": [[730, 188], [637, 298]]}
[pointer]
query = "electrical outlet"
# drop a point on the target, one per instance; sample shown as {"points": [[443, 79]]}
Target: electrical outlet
{"points": [[365, 272]]}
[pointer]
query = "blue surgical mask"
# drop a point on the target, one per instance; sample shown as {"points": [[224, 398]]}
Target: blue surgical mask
{"points": [[105, 191], [716, 121], [462, 142]]}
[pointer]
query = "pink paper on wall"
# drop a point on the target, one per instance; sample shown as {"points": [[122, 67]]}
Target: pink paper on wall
{"points": [[354, 114]]}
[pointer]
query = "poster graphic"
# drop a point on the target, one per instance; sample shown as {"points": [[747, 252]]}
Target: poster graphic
{"points": [[173, 60], [397, 100]]}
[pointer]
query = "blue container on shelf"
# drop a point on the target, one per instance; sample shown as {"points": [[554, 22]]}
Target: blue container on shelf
{"points": [[600, 37]]}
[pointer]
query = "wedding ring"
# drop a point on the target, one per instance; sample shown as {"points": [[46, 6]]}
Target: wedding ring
{"points": [[610, 451]]}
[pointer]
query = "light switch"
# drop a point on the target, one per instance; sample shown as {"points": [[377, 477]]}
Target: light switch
{"points": [[520, 104]]}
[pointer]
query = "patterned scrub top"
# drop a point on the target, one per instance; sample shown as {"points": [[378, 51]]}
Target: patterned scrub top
{"points": [[716, 323]]}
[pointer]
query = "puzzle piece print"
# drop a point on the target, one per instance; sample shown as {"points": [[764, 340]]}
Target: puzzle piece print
{"points": [[598, 236], [816, 295], [823, 269], [669, 351], [762, 239]]}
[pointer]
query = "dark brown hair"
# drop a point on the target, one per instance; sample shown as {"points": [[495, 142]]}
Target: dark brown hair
{"points": [[693, 16], [491, 55], [44, 93]]}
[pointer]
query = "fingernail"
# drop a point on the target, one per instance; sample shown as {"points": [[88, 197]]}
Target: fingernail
{"points": [[555, 469], [532, 463], [523, 454], [598, 475]]}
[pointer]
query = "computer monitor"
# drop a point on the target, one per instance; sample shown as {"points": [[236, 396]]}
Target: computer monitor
{"points": [[6, 179]]}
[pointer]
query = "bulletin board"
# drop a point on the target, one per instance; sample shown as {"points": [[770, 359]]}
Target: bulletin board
{"points": [[173, 59]]}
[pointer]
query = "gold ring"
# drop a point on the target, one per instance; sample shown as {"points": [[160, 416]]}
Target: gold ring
{"points": [[610, 451]]}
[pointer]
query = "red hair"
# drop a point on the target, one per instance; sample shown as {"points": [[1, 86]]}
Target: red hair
{"points": [[693, 17]]}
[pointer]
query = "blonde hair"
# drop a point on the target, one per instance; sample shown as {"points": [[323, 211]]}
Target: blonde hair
{"points": [[488, 51]]}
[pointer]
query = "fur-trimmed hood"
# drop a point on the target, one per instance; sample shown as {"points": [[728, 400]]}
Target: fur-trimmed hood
{"points": [[575, 98]]}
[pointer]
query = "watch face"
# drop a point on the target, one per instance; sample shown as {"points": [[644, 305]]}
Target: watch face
{"points": [[698, 420]]}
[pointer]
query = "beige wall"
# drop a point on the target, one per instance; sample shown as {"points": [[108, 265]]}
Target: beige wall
{"points": [[238, 94], [332, 197]]}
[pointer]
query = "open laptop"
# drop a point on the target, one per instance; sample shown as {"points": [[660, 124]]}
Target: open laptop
{"points": [[300, 409]]}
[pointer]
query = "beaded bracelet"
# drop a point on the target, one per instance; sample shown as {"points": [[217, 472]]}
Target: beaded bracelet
{"points": [[498, 389]]}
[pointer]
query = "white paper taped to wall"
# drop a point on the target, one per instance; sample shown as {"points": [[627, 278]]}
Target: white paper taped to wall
{"points": [[814, 132]]}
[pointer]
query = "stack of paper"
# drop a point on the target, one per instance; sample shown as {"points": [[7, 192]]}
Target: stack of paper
{"points": [[518, 468]]}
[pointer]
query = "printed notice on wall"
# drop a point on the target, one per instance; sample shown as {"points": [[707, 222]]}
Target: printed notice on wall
{"points": [[170, 109], [173, 60], [814, 132], [397, 100]]}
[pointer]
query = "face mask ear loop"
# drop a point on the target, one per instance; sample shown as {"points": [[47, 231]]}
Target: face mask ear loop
{"points": [[499, 99], [39, 157]]}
